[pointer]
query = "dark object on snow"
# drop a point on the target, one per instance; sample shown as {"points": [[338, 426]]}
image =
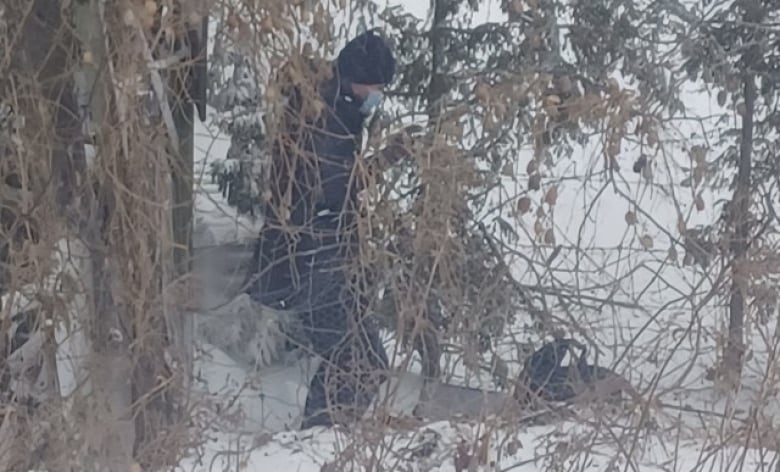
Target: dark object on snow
{"points": [[545, 377], [640, 164], [302, 257]]}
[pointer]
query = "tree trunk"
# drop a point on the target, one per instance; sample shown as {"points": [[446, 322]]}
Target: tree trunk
{"points": [[183, 85], [110, 435], [437, 88], [740, 206], [740, 213], [182, 185], [42, 53], [426, 341]]}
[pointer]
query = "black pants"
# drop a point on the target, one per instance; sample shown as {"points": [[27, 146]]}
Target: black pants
{"points": [[354, 361], [333, 316], [347, 380]]}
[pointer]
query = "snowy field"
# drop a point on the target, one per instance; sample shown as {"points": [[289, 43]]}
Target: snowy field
{"points": [[647, 315], [662, 344], [652, 319]]}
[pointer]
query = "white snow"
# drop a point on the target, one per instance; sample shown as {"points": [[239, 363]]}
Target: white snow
{"points": [[652, 319], [259, 409], [666, 341]]}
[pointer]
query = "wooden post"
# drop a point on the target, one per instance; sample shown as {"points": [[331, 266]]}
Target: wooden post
{"points": [[188, 88]]}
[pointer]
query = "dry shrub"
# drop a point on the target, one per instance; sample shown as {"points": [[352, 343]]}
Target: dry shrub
{"points": [[92, 246], [90, 238]]}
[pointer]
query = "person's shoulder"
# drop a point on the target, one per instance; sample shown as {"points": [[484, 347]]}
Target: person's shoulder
{"points": [[302, 80], [299, 89], [301, 70]]}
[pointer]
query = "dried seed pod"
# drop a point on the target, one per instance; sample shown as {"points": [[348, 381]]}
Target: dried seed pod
{"points": [[706, 75], [482, 92], [516, 6], [652, 138], [699, 203], [552, 100], [513, 446], [732, 83], [698, 154], [149, 13], [631, 218], [535, 182], [507, 170], [523, 205], [551, 197], [550, 103], [640, 164], [647, 171], [646, 241], [613, 165], [532, 167], [266, 24], [672, 256], [549, 237], [613, 148], [613, 87], [698, 175], [722, 96], [538, 228], [284, 214]]}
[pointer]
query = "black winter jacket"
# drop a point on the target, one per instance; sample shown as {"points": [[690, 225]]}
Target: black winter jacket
{"points": [[313, 190]]}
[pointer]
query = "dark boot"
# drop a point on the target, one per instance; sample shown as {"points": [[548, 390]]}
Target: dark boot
{"points": [[346, 382]]}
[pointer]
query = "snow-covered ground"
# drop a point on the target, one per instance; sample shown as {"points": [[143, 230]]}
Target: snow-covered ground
{"points": [[652, 319], [665, 342]]}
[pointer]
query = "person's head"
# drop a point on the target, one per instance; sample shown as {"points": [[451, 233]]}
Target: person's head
{"points": [[367, 64]]}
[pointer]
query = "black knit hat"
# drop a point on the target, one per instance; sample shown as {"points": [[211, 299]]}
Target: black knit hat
{"points": [[367, 60]]}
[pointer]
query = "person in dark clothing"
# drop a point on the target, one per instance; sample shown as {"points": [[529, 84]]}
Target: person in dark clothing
{"points": [[309, 237]]}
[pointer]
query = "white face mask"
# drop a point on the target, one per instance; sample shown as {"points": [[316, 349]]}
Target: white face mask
{"points": [[372, 101]]}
